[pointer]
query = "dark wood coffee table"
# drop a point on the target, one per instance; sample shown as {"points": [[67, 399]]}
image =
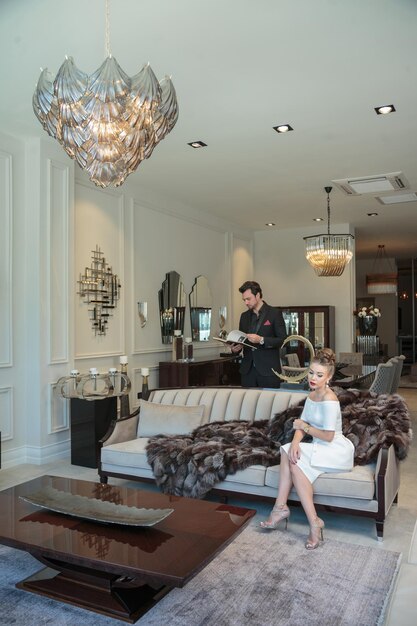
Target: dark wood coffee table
{"points": [[119, 571]]}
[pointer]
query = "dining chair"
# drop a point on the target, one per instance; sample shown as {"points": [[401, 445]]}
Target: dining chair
{"points": [[294, 366], [351, 358], [384, 375], [398, 362]]}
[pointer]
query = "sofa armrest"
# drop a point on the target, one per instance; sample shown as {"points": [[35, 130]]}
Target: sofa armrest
{"points": [[387, 479], [121, 430]]}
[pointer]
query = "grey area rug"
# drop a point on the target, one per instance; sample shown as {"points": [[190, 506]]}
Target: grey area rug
{"points": [[261, 579]]}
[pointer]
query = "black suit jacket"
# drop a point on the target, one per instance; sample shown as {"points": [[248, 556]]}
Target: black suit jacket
{"points": [[271, 326]]}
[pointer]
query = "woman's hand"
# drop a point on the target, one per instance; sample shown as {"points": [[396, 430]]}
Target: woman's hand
{"points": [[294, 453]]}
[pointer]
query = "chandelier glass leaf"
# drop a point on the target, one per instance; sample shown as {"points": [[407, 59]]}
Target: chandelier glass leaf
{"points": [[329, 254], [108, 122], [383, 280]]}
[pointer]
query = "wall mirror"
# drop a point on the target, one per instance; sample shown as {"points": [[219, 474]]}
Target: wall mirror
{"points": [[200, 309], [172, 301], [222, 322]]}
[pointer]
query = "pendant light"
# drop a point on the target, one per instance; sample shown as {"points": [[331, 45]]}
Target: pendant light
{"points": [[384, 279], [329, 254]]}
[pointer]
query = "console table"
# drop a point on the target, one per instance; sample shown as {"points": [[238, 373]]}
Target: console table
{"points": [[202, 372]]}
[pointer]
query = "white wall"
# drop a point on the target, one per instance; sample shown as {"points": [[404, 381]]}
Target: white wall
{"points": [[52, 218], [287, 279]]}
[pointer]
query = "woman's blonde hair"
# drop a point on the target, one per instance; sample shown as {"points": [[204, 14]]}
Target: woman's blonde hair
{"points": [[327, 358]]}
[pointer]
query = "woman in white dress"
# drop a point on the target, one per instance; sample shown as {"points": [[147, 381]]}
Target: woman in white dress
{"points": [[330, 451]]}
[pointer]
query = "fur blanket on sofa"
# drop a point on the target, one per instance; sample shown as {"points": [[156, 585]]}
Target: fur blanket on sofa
{"points": [[191, 465]]}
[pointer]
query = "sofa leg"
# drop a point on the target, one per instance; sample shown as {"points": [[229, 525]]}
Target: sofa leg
{"points": [[380, 530], [224, 499], [104, 479]]}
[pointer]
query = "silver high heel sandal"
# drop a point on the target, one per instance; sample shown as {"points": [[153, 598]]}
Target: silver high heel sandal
{"points": [[280, 512], [312, 545]]}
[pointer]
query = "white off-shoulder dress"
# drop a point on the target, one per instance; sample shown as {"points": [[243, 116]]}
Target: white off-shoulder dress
{"points": [[321, 456]]}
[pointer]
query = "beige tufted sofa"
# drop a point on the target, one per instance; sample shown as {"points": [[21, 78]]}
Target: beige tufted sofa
{"points": [[368, 490]]}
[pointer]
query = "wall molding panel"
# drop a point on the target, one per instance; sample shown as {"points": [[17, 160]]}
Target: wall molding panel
{"points": [[57, 260], [99, 220], [6, 252], [6, 413], [58, 411]]}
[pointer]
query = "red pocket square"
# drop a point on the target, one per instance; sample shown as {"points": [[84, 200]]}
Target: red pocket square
{"points": [[267, 323]]}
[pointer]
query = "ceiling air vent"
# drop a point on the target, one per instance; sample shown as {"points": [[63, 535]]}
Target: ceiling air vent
{"points": [[373, 184]]}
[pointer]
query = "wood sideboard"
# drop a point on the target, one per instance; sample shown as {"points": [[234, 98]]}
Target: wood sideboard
{"points": [[201, 372]]}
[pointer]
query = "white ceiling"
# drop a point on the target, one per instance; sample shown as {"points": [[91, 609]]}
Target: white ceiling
{"points": [[241, 67]]}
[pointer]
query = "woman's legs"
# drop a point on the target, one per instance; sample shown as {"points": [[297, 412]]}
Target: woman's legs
{"points": [[304, 490], [285, 480], [280, 510]]}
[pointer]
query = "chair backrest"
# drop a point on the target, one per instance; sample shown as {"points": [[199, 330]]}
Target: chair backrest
{"points": [[382, 382], [293, 360], [398, 362], [351, 358]]}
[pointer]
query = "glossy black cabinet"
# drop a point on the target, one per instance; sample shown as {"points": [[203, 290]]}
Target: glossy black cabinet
{"points": [[202, 372], [90, 420]]}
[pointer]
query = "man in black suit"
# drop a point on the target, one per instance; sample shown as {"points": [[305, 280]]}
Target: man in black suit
{"points": [[265, 328]]}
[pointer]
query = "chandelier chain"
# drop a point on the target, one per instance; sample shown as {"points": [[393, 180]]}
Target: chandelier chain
{"points": [[107, 18], [328, 213]]}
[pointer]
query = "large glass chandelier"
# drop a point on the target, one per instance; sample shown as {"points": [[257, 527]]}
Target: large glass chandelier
{"points": [[108, 122], [329, 254], [381, 282]]}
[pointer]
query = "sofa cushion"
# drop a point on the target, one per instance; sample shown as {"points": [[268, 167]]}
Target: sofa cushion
{"points": [[253, 475], [168, 419], [127, 453], [359, 483]]}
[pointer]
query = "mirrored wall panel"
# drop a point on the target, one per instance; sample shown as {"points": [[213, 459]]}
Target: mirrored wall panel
{"points": [[200, 309], [172, 302]]}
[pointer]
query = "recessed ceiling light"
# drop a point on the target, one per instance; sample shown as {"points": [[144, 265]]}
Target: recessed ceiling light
{"points": [[397, 198], [283, 128], [372, 214], [384, 109], [270, 224], [317, 219], [197, 144]]}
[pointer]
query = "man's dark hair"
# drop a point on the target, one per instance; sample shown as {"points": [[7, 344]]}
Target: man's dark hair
{"points": [[253, 286]]}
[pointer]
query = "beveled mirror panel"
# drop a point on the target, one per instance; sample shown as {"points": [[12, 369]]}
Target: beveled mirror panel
{"points": [[172, 302], [200, 309]]}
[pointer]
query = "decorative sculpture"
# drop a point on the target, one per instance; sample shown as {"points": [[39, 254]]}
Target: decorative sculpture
{"points": [[101, 288]]}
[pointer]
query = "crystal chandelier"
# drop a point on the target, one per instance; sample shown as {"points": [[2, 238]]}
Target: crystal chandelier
{"points": [[381, 282], [329, 254], [108, 122]]}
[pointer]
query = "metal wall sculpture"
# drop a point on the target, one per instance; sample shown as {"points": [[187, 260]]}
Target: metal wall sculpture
{"points": [[99, 287]]}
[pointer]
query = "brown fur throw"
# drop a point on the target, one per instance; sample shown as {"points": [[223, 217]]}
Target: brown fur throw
{"points": [[191, 465]]}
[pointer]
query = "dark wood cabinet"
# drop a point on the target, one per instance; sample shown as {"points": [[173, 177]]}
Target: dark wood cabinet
{"points": [[202, 372], [315, 323]]}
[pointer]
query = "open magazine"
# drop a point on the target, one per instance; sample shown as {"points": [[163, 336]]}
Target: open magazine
{"points": [[236, 336]]}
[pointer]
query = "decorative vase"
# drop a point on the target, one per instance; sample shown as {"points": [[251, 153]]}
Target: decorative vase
{"points": [[368, 325]]}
